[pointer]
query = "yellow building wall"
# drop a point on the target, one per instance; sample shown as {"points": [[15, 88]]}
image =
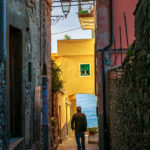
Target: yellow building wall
{"points": [[56, 58], [75, 47], [68, 114], [64, 112], [72, 99], [72, 53]]}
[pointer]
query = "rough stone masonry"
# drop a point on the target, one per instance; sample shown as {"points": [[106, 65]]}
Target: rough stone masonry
{"points": [[31, 18], [129, 90]]}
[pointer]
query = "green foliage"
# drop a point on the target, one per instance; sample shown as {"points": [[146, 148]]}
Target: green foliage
{"points": [[83, 11], [92, 130], [67, 37], [53, 122], [57, 82], [129, 53], [90, 8]]}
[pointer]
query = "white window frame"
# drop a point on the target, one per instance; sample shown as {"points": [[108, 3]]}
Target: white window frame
{"points": [[80, 70]]}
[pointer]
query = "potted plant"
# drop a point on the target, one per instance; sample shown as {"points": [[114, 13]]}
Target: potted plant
{"points": [[92, 131], [53, 122], [86, 13], [83, 11]]}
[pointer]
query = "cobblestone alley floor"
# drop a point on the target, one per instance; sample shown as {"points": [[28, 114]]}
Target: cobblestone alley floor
{"points": [[70, 144]]}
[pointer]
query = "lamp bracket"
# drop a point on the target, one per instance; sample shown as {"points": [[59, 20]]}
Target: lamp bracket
{"points": [[56, 19]]}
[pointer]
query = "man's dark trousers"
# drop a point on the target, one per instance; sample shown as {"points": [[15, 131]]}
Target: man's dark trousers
{"points": [[80, 135]]}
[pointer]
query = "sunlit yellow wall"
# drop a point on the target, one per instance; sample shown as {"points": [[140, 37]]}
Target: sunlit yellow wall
{"points": [[56, 58], [61, 102], [72, 98], [64, 114], [68, 114], [72, 53]]}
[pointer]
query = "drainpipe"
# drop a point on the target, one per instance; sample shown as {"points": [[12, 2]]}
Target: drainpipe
{"points": [[4, 137], [2, 30], [104, 75]]}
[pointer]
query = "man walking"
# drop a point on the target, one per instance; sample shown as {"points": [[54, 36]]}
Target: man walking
{"points": [[79, 123]]}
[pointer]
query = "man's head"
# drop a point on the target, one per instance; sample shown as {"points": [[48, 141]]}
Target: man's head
{"points": [[78, 108]]}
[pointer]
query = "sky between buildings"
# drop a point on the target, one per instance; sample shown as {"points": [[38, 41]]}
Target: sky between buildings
{"points": [[72, 22]]}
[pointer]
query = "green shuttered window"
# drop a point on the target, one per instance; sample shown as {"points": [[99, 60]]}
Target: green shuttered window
{"points": [[85, 69]]}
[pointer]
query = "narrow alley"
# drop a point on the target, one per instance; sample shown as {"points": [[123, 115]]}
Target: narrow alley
{"points": [[74, 70], [70, 143]]}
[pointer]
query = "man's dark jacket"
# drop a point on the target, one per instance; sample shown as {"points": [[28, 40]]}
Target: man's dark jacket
{"points": [[79, 122]]}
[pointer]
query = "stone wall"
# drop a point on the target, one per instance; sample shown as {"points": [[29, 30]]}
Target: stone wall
{"points": [[115, 109], [55, 116], [129, 93], [46, 44], [33, 19], [3, 107]]}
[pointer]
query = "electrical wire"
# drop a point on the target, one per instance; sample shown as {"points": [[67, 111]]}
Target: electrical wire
{"points": [[72, 5], [67, 31]]}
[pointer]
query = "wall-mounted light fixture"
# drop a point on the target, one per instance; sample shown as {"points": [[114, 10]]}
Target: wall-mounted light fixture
{"points": [[65, 4]]}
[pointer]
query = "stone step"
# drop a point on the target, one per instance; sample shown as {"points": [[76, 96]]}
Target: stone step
{"points": [[93, 139]]}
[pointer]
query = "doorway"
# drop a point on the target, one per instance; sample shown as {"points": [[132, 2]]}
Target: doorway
{"points": [[15, 78]]}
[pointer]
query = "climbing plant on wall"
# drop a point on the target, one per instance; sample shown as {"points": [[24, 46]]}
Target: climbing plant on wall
{"points": [[57, 82]]}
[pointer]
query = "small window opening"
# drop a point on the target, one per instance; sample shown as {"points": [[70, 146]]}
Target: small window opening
{"points": [[29, 72], [85, 69]]}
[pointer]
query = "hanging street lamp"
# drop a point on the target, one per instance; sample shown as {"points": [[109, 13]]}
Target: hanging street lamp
{"points": [[65, 6]]}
